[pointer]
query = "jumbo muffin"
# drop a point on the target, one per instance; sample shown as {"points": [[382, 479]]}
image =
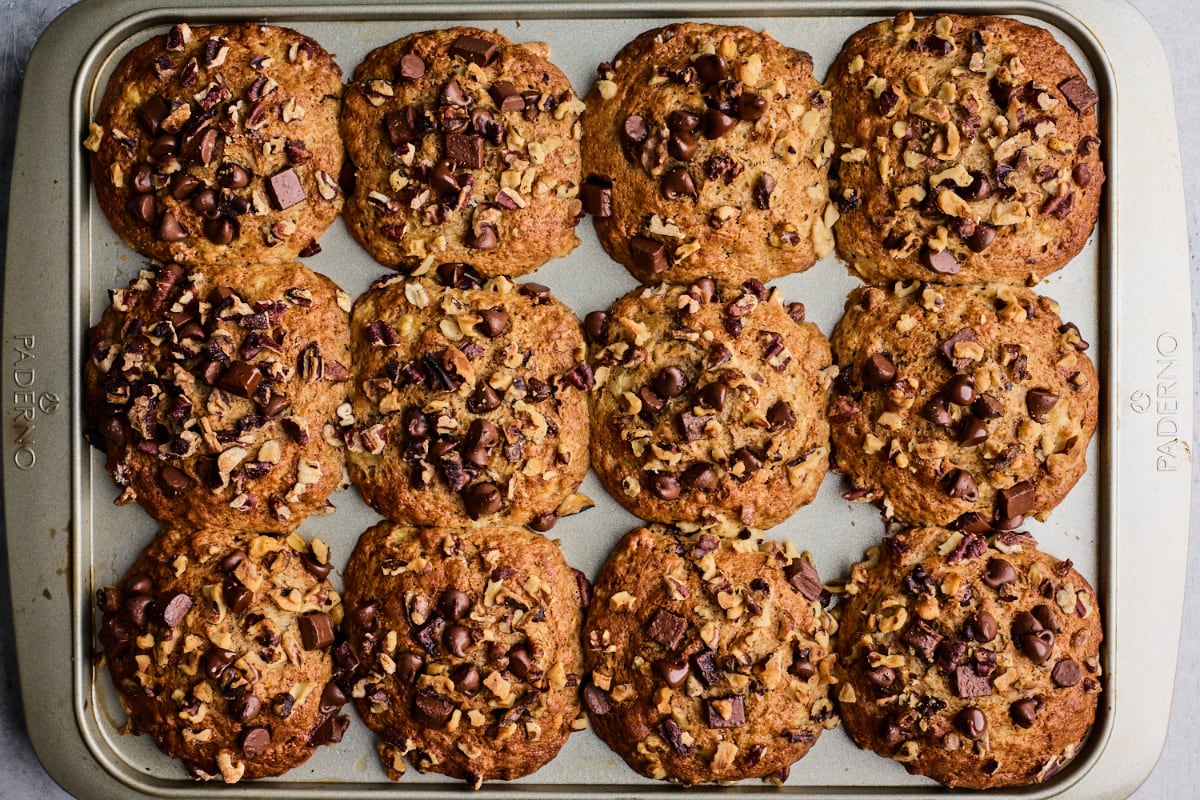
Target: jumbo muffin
{"points": [[221, 646], [967, 151], [708, 655], [218, 393], [469, 641], [705, 151], [469, 401], [709, 403], [465, 147], [220, 144], [974, 662], [970, 405]]}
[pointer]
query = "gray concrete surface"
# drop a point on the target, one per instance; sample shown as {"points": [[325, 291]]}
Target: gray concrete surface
{"points": [[1177, 775]]}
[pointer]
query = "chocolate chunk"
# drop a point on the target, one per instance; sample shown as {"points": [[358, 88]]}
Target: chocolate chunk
{"points": [[987, 407], [937, 411], [717, 123], [241, 378], [1024, 712], [725, 712], [174, 608], [981, 238], [972, 432], [236, 596], [964, 335], [751, 106], [454, 604], [966, 682], [670, 731], [700, 476], [1016, 501], [506, 97], [634, 130], [762, 190], [519, 660], [493, 323], [1079, 95], [596, 700], [539, 293], [1039, 402], [999, 572], [473, 49], [980, 627], [596, 198], [959, 390], [173, 481], [962, 486], [402, 126], [780, 416], [648, 254], [711, 68], [216, 660], [882, 678], [942, 262], [483, 400], [704, 665], [285, 189], [411, 67], [878, 370], [803, 577], [316, 630], [466, 150], [1065, 673], [330, 731], [595, 324], [923, 638], [466, 679], [152, 113], [745, 463], [667, 628], [971, 723], [676, 183], [482, 499], [431, 709], [164, 146], [254, 741], [332, 698]]}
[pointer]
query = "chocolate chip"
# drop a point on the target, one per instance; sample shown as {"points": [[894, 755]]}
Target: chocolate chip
{"points": [[972, 432], [241, 378], [667, 628], [442, 178], [669, 382], [1038, 646], [164, 146], [482, 499], [717, 123], [454, 604], [431, 709], [713, 395], [673, 671], [332, 698], [677, 183], [183, 185], [751, 106], [664, 486], [801, 666], [493, 323], [981, 238], [519, 660], [254, 741], [466, 150], [634, 130], [964, 335], [987, 407], [595, 324], [780, 416], [367, 616], [142, 179], [596, 700], [539, 293], [942, 262], [962, 486], [408, 667], [483, 400], [1039, 402], [981, 627], [202, 147], [457, 639], [748, 461], [803, 577], [246, 708], [762, 190], [205, 204], [971, 723], [959, 390], [700, 476], [999, 572], [1065, 673], [596, 198], [473, 49], [878, 370], [966, 682], [236, 596], [682, 145], [316, 630], [330, 731], [220, 231], [284, 189], [174, 608], [1024, 712], [1079, 95], [711, 68], [980, 188], [725, 712], [216, 660], [169, 229], [411, 68], [173, 481], [648, 254], [1017, 500]]}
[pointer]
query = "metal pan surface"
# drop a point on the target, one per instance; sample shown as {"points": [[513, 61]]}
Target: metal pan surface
{"points": [[1127, 292]]}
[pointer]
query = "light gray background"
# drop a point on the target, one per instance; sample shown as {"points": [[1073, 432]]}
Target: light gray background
{"points": [[1178, 772]]}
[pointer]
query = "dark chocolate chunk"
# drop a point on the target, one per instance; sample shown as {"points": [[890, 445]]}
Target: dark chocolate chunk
{"points": [[725, 712], [669, 729], [466, 150], [780, 416], [937, 411], [474, 49], [236, 596], [648, 254], [1016, 501], [285, 189], [762, 190], [923, 638], [667, 628], [538, 292], [700, 476], [173, 481], [431, 709], [241, 378], [962, 486], [596, 700], [942, 262], [174, 608], [596, 198], [316, 630], [713, 396], [330, 731], [966, 682], [1039, 402], [332, 698], [595, 324], [803, 577], [878, 370], [221, 231], [493, 323], [1079, 95], [704, 664]]}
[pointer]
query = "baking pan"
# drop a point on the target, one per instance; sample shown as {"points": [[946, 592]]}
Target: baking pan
{"points": [[1125, 525]]}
